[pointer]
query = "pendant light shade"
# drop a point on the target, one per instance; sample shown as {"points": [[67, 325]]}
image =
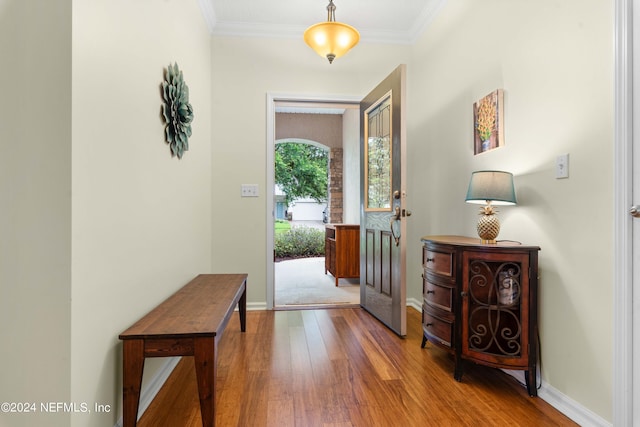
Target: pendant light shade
{"points": [[331, 39]]}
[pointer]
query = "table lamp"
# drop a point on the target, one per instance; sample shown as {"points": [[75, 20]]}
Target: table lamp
{"points": [[490, 188]]}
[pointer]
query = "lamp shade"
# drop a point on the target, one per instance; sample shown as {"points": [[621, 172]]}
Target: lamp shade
{"points": [[331, 39], [491, 186]]}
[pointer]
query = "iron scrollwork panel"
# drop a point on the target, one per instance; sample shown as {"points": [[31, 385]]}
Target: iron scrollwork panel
{"points": [[494, 296]]}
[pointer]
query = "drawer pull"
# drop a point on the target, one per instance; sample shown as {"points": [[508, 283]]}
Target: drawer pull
{"points": [[431, 259], [429, 325], [431, 292], [463, 294]]}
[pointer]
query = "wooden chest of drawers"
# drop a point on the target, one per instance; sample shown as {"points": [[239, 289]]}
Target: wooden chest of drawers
{"points": [[438, 287], [480, 302], [342, 250]]}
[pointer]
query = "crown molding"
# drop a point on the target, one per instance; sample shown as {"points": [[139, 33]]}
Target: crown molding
{"points": [[208, 14], [246, 29], [428, 15]]}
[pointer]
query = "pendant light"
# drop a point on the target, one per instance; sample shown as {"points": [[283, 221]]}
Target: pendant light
{"points": [[331, 39]]}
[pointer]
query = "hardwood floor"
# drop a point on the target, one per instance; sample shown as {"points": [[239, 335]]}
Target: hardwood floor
{"points": [[341, 367]]}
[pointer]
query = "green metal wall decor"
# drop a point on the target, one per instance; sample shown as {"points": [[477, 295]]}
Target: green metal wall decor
{"points": [[177, 112]]}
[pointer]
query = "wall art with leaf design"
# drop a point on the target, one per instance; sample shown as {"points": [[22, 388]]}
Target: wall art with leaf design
{"points": [[176, 110]]}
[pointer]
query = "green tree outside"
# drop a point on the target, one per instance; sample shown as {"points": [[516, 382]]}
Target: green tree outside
{"points": [[301, 171]]}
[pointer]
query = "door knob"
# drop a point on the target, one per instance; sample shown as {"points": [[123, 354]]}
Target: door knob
{"points": [[635, 211]]}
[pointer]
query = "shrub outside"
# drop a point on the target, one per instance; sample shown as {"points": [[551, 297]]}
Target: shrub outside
{"points": [[299, 242]]}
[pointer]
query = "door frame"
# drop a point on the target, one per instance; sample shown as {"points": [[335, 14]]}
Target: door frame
{"points": [[272, 99], [623, 336]]}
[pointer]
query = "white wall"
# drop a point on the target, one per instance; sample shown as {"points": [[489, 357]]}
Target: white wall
{"points": [[554, 61], [35, 207], [141, 219], [351, 166], [244, 71]]}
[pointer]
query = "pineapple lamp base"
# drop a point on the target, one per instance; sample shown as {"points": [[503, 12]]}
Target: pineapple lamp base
{"points": [[488, 228]]}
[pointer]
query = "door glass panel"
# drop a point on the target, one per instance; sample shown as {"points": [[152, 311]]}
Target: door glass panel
{"points": [[378, 170]]}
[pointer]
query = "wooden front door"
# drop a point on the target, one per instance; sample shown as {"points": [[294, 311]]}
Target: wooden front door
{"points": [[383, 183]]}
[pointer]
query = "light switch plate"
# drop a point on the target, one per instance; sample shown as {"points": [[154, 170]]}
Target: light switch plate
{"points": [[562, 166], [249, 190]]}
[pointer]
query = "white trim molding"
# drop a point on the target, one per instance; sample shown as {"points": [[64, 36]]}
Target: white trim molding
{"points": [[415, 304], [208, 14], [623, 263], [405, 36], [572, 409]]}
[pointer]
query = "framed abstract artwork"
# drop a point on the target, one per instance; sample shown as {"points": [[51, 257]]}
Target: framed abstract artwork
{"points": [[488, 122]]}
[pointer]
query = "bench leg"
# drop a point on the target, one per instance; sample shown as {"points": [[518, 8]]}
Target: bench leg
{"points": [[204, 353], [242, 308], [132, 366]]}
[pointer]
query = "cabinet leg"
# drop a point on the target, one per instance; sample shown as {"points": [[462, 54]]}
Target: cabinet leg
{"points": [[424, 341], [458, 370], [530, 381]]}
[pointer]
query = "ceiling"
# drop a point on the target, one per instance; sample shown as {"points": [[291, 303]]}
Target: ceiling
{"points": [[380, 21]]}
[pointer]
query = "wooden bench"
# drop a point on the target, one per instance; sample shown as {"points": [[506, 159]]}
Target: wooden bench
{"points": [[188, 323]]}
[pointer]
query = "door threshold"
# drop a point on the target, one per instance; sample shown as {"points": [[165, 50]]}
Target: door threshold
{"points": [[292, 307]]}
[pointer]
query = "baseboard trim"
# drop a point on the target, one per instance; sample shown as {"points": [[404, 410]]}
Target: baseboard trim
{"points": [[563, 403], [254, 306], [415, 303], [149, 393], [569, 407]]}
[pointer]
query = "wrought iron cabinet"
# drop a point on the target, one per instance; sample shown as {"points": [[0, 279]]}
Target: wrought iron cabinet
{"points": [[480, 303]]}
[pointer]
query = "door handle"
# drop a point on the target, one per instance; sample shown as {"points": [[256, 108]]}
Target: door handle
{"points": [[635, 211], [395, 217]]}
